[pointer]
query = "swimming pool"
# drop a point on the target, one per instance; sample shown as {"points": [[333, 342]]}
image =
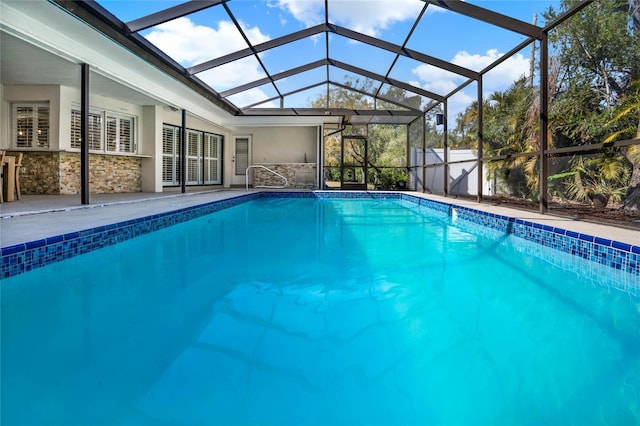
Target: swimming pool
{"points": [[310, 310]]}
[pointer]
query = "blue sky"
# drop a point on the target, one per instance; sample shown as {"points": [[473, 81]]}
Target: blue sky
{"points": [[464, 41]]}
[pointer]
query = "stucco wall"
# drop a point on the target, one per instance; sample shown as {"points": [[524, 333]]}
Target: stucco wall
{"points": [[284, 144]]}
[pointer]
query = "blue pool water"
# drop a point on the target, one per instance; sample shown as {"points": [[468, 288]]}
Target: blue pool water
{"points": [[320, 312]]}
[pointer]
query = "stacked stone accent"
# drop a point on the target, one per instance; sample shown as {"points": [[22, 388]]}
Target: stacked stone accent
{"points": [[115, 174], [41, 173], [299, 175], [53, 173], [108, 174], [70, 173]]}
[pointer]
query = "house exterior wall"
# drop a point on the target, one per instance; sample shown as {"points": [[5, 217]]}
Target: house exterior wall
{"points": [[57, 170], [63, 35], [42, 173], [284, 144], [38, 93], [174, 118], [55, 173], [150, 144], [284, 149], [127, 84], [192, 122], [70, 99], [107, 173], [299, 175]]}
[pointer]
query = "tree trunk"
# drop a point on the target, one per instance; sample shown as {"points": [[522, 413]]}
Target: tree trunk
{"points": [[632, 198], [599, 201]]}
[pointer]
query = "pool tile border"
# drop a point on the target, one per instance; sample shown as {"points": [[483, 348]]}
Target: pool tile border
{"points": [[24, 257], [615, 254]]}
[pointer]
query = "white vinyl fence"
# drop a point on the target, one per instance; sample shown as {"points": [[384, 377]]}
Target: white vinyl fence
{"points": [[463, 177]]}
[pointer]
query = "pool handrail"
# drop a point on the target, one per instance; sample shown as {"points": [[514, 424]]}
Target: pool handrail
{"points": [[246, 178]]}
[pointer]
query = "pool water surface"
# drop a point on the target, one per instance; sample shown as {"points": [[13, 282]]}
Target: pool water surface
{"points": [[320, 312]]}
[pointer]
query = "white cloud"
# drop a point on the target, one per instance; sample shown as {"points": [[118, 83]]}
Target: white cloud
{"points": [[232, 74], [436, 79], [309, 12], [191, 44], [500, 78], [365, 16], [442, 82], [458, 103], [251, 97]]}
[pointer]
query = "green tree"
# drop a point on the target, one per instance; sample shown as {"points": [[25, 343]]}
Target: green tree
{"points": [[511, 127], [386, 144], [464, 133], [626, 124], [597, 59], [598, 53]]}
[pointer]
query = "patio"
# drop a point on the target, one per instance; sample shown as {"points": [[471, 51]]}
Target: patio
{"points": [[39, 216], [36, 217]]}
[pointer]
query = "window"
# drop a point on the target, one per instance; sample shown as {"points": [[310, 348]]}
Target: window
{"points": [[31, 125], [170, 155], [95, 130], [119, 134], [194, 144], [212, 149], [76, 136], [115, 130], [204, 162]]}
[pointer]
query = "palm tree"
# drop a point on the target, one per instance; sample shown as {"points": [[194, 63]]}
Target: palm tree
{"points": [[510, 127], [624, 124], [597, 180]]}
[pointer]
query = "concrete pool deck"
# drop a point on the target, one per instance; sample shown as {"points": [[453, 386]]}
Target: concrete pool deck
{"points": [[35, 217]]}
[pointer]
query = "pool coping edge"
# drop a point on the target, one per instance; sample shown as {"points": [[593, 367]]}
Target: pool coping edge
{"points": [[23, 257]]}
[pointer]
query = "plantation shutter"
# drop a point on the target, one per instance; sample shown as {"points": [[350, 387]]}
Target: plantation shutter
{"points": [[112, 133], [126, 135], [170, 175], [120, 134], [76, 136], [42, 139], [95, 131], [24, 123], [31, 126], [193, 154], [211, 158]]}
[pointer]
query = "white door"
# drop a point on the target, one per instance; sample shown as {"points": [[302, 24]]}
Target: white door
{"points": [[241, 158]]}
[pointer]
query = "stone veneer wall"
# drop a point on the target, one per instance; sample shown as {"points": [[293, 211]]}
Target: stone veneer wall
{"points": [[299, 175], [42, 173], [54, 173], [108, 174]]}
